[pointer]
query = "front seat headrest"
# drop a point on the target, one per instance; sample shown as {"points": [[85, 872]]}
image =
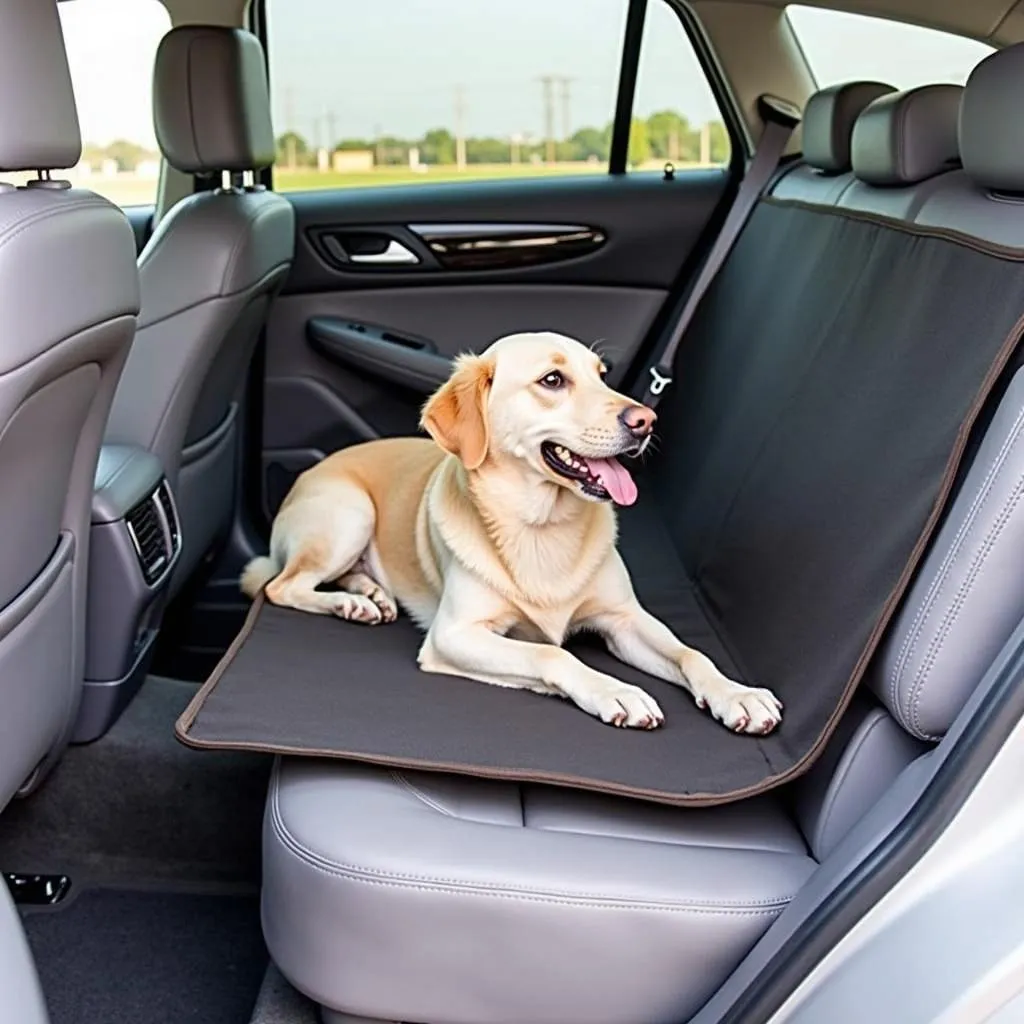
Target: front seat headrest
{"points": [[211, 103]]}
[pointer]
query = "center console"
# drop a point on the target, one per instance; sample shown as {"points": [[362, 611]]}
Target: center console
{"points": [[135, 541]]}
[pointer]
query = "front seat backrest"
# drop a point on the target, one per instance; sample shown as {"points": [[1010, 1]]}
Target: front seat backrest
{"points": [[208, 275], [69, 296]]}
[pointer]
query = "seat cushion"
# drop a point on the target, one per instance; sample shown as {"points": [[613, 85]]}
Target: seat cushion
{"points": [[454, 900]]}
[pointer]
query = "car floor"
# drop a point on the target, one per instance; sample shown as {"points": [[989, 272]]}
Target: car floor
{"points": [[162, 846]]}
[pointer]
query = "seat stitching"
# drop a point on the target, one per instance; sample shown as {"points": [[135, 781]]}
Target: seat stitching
{"points": [[953, 612], [54, 211], [916, 630], [913, 635], [374, 876], [420, 795]]}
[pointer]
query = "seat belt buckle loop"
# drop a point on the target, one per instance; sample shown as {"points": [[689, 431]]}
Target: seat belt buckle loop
{"points": [[659, 381]]}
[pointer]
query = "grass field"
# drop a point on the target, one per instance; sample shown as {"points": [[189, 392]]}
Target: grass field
{"points": [[128, 190]]}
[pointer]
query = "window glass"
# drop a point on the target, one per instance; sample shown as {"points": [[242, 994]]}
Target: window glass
{"points": [[841, 47], [409, 91], [111, 45], [676, 117]]}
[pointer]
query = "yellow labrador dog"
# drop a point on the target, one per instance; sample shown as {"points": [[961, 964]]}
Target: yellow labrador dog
{"points": [[499, 539]]}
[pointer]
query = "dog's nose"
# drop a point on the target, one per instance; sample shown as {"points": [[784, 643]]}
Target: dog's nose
{"points": [[638, 419]]}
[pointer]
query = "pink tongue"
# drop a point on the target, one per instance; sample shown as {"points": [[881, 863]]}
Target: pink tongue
{"points": [[615, 479]]}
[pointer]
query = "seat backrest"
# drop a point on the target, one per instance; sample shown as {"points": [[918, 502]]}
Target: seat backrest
{"points": [[208, 275], [22, 999], [69, 297], [968, 596]]}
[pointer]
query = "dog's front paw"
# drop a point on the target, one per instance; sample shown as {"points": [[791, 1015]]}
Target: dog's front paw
{"points": [[627, 707], [746, 709]]}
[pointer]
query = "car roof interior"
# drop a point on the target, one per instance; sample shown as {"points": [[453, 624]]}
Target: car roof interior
{"points": [[194, 826]]}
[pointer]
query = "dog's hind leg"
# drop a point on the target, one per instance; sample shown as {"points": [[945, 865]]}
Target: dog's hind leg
{"points": [[320, 538]]}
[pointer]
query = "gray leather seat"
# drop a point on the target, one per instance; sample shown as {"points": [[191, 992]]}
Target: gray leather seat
{"points": [[395, 896], [208, 275], [69, 297], [22, 1000]]}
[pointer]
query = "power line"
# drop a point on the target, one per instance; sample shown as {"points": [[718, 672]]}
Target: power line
{"points": [[566, 101], [289, 120], [547, 83], [460, 127]]}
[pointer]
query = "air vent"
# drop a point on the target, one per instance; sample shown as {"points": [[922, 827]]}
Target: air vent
{"points": [[146, 529], [163, 495]]}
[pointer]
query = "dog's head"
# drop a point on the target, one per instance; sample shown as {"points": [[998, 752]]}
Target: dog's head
{"points": [[541, 399]]}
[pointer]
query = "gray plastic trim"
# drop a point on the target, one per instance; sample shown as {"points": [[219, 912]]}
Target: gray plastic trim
{"points": [[125, 474]]}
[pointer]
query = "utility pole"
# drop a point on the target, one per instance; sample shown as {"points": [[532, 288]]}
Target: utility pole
{"points": [[548, 82], [460, 128], [332, 139], [705, 144], [289, 120], [376, 145], [566, 117]]}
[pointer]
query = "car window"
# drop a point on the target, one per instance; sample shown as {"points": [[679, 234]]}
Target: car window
{"points": [[423, 91], [676, 118], [840, 47], [111, 46]]}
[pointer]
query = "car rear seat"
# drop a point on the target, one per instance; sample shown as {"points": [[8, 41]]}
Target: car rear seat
{"points": [[444, 900]]}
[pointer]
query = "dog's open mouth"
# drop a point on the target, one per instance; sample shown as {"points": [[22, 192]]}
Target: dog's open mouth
{"points": [[599, 478]]}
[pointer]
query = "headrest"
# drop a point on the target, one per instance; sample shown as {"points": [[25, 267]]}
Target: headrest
{"points": [[38, 118], [905, 137], [828, 123], [991, 130], [211, 105]]}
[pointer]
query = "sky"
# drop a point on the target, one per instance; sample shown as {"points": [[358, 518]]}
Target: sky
{"points": [[353, 69]]}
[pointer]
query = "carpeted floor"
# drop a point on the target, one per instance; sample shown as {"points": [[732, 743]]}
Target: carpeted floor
{"points": [[162, 844], [279, 1003], [136, 805], [138, 957]]}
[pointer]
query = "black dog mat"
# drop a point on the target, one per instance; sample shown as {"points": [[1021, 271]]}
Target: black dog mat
{"points": [[826, 396]]}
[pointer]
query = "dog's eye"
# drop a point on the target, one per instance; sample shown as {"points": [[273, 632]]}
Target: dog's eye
{"points": [[553, 380]]}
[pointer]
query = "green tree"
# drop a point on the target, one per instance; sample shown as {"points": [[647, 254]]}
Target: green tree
{"points": [[292, 148], [127, 155], [639, 145], [719, 143], [488, 151], [590, 142], [671, 136], [352, 145], [438, 147]]}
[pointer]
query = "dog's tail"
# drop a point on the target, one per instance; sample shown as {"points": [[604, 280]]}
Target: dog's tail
{"points": [[257, 574]]}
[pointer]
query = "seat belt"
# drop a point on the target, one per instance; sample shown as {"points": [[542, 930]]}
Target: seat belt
{"points": [[780, 120]]}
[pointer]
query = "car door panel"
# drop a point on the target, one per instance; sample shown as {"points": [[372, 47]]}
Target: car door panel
{"points": [[355, 345]]}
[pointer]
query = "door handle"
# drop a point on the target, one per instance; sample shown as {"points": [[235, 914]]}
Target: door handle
{"points": [[395, 253]]}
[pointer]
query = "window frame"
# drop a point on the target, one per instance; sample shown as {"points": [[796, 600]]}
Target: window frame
{"points": [[629, 69]]}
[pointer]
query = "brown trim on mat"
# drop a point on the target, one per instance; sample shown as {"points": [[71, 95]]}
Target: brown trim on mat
{"points": [[961, 238], [189, 715]]}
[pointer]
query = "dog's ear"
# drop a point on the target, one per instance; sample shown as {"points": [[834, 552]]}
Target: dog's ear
{"points": [[455, 416]]}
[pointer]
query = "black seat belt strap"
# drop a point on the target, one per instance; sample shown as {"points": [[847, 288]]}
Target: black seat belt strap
{"points": [[780, 120]]}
